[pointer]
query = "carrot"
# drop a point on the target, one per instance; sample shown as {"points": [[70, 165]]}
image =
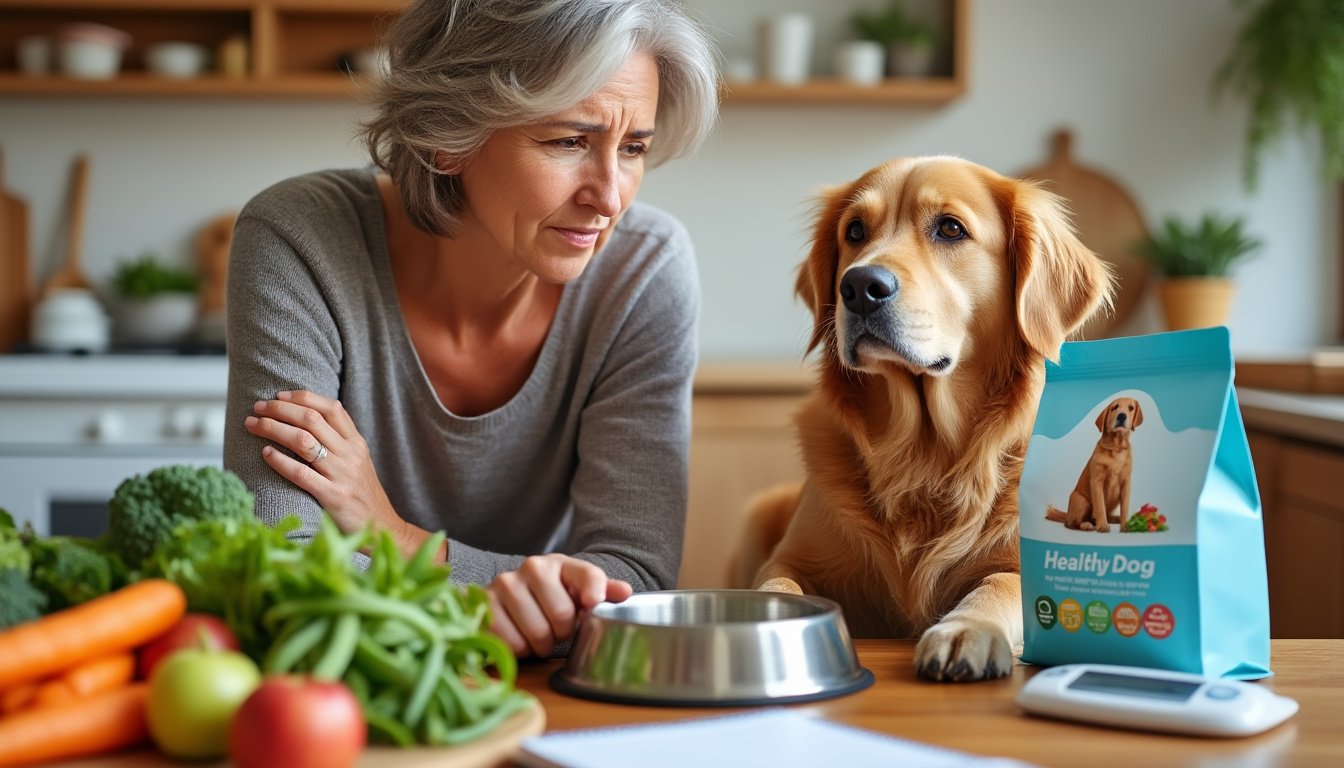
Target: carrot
{"points": [[86, 679], [112, 623], [17, 698], [100, 723]]}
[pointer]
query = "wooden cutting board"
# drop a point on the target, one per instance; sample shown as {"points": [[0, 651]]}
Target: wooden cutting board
{"points": [[493, 751], [16, 280], [1109, 222]]}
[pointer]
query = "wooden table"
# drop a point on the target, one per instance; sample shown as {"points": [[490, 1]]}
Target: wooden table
{"points": [[982, 718]]}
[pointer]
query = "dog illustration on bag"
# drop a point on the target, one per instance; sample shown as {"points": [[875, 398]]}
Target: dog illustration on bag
{"points": [[1101, 496]]}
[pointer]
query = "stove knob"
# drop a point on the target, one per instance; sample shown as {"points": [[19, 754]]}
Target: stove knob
{"points": [[107, 427], [179, 422], [211, 426]]}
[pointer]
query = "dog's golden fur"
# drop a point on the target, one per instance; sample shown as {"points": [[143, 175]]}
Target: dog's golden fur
{"points": [[1101, 495], [914, 436]]}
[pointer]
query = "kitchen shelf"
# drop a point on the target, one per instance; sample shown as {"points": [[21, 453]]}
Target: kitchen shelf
{"points": [[295, 46]]}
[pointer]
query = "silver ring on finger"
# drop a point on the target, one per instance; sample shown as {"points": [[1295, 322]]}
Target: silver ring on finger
{"points": [[320, 455]]}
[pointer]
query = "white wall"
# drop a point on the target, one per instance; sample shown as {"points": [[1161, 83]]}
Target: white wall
{"points": [[1131, 79]]}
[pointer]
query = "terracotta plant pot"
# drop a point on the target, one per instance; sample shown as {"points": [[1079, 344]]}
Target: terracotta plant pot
{"points": [[1195, 302]]}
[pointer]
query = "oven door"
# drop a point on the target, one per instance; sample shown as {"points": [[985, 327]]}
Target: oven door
{"points": [[66, 492]]}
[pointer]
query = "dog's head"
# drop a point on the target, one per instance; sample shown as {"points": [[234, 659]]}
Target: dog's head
{"points": [[1122, 415], [925, 262]]}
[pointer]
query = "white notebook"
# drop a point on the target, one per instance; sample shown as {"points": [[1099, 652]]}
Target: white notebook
{"points": [[770, 737]]}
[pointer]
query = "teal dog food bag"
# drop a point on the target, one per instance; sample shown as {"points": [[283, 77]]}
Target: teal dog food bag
{"points": [[1142, 540]]}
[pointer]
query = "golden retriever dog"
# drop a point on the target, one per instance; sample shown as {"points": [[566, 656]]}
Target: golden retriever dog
{"points": [[1101, 496], [938, 290]]}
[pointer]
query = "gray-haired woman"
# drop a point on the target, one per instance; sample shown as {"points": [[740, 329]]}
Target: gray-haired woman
{"points": [[485, 335]]}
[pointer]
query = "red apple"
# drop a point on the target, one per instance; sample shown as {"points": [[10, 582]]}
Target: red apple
{"points": [[291, 721], [194, 630]]}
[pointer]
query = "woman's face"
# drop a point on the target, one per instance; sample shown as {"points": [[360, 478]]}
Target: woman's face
{"points": [[550, 193]]}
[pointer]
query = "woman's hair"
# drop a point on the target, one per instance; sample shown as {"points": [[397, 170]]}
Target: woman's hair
{"points": [[463, 69]]}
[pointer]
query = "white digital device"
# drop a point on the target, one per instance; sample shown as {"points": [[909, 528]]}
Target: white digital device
{"points": [[1154, 699]]}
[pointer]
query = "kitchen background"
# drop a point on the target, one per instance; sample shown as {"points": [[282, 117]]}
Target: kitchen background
{"points": [[1132, 80]]}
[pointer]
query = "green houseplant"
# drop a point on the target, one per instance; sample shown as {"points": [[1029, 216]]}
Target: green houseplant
{"points": [[1288, 63], [156, 303], [1195, 262], [909, 41]]}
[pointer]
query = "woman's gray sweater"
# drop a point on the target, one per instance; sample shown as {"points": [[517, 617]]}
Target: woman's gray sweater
{"points": [[588, 458]]}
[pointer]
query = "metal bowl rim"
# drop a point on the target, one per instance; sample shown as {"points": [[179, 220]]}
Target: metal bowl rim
{"points": [[830, 610]]}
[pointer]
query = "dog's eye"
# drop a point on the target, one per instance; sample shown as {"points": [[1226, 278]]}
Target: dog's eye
{"points": [[855, 232], [950, 229]]}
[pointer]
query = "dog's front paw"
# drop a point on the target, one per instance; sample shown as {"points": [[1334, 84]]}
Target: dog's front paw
{"points": [[781, 584], [961, 651]]}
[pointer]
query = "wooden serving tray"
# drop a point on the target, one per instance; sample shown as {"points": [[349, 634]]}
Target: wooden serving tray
{"points": [[492, 751]]}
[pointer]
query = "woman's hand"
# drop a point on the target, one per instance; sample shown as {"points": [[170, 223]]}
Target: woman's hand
{"points": [[336, 469], [538, 605]]}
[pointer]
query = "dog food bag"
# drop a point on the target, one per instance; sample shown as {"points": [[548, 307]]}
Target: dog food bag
{"points": [[1142, 541]]}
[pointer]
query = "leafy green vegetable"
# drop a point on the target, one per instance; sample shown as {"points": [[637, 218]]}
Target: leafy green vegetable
{"points": [[21, 601], [69, 572], [145, 509], [13, 552], [412, 647]]}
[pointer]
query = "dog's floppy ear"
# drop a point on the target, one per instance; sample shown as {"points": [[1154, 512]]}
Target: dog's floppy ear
{"points": [[816, 275], [1101, 418], [1059, 282], [1138, 416]]}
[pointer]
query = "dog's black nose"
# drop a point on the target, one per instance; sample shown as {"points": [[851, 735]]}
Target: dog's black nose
{"points": [[1120, 419], [866, 289]]}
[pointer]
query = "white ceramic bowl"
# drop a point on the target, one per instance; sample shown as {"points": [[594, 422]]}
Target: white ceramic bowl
{"points": [[168, 318], [90, 51], [712, 647], [176, 59]]}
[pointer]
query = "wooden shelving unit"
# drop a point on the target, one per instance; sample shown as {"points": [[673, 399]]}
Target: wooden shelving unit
{"points": [[295, 45]]}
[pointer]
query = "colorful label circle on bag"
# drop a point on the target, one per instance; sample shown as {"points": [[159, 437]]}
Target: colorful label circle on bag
{"points": [[1098, 617], [1158, 621], [1071, 614], [1126, 619], [1047, 613]]}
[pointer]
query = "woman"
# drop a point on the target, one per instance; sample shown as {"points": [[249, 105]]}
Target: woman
{"points": [[485, 335]]}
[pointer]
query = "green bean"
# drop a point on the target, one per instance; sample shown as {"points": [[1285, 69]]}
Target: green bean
{"points": [[380, 663], [444, 697], [468, 732], [466, 702], [420, 562], [429, 679], [361, 603], [288, 651], [392, 632], [331, 665], [388, 726]]}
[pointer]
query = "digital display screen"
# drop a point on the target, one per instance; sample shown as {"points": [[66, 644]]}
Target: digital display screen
{"points": [[1126, 685]]}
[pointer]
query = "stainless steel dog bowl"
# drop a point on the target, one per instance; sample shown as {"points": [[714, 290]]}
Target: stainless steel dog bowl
{"points": [[719, 647]]}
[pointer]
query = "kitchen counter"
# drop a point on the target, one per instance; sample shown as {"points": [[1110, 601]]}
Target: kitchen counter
{"points": [[1318, 418], [982, 719]]}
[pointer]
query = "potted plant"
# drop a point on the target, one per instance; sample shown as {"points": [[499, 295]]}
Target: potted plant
{"points": [[1196, 289], [1288, 62], [909, 41], [156, 303]]}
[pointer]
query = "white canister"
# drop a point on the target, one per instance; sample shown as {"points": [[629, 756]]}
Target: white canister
{"points": [[786, 48], [860, 61]]}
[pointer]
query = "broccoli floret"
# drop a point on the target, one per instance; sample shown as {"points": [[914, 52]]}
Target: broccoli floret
{"points": [[145, 509], [22, 602], [69, 572]]}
